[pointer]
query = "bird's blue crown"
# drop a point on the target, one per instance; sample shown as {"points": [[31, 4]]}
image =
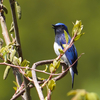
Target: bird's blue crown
{"points": [[61, 24]]}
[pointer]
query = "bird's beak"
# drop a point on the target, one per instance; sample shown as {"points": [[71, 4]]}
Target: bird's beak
{"points": [[53, 26]]}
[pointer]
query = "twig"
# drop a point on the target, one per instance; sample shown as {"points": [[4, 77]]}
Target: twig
{"points": [[49, 95], [38, 88], [4, 30], [20, 67]]}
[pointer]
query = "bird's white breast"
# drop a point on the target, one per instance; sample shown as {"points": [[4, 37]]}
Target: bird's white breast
{"points": [[56, 47]]}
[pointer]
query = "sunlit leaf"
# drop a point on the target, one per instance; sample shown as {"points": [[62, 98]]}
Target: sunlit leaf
{"points": [[25, 63], [81, 94], [66, 36], [16, 84], [61, 51], [28, 73], [51, 84], [40, 79], [77, 29], [46, 67], [16, 61], [56, 63], [15, 88], [72, 92], [78, 36], [51, 68], [6, 72], [92, 96], [12, 54], [11, 29]]}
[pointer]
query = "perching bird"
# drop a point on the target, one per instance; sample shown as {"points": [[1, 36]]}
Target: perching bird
{"points": [[71, 54]]}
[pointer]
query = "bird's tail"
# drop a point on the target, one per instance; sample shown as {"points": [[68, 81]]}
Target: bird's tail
{"points": [[72, 75]]}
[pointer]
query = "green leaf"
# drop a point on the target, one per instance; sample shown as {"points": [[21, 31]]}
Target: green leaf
{"points": [[92, 96], [56, 64], [81, 94], [78, 36], [51, 68], [77, 29], [66, 36], [46, 67], [4, 56], [16, 84], [6, 72], [72, 92], [51, 84], [25, 63], [16, 61], [40, 79], [28, 73], [61, 51], [18, 9], [12, 27], [15, 88], [13, 52]]}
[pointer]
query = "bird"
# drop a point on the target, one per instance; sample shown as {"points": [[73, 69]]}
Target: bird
{"points": [[70, 56]]}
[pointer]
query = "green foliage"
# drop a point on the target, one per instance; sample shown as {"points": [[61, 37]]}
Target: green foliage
{"points": [[11, 27], [40, 79], [77, 30], [51, 84], [17, 61], [18, 9], [25, 63], [81, 94], [46, 68], [15, 88], [61, 51], [9, 55], [66, 36], [6, 72], [53, 66], [28, 73]]}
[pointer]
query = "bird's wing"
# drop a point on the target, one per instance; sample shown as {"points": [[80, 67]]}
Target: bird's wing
{"points": [[71, 54]]}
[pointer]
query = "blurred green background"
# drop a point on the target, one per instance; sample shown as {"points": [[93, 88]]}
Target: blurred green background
{"points": [[37, 37]]}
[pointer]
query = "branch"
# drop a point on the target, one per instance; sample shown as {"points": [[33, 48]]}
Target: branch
{"points": [[61, 75], [7, 39], [12, 5], [4, 27], [38, 88]]}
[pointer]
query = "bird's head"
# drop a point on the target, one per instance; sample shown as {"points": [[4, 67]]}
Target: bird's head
{"points": [[59, 28]]}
